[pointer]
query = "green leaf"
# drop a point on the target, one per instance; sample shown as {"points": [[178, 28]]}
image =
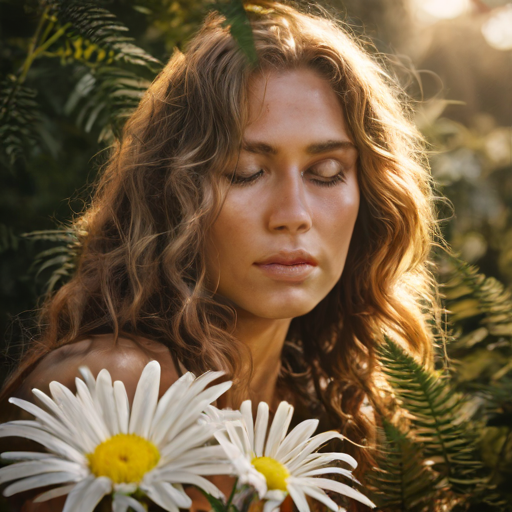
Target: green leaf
{"points": [[19, 118], [100, 34], [105, 97], [239, 27], [401, 480], [437, 415], [63, 256], [216, 504]]}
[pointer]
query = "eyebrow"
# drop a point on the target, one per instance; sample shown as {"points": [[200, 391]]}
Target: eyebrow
{"points": [[313, 149]]}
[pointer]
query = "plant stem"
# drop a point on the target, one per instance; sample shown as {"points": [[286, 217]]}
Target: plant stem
{"points": [[32, 47], [228, 504], [50, 41]]}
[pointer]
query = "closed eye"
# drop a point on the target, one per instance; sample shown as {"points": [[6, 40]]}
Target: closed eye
{"points": [[237, 179], [241, 180]]}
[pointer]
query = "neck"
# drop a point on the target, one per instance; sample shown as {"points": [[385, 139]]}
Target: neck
{"points": [[265, 339]]}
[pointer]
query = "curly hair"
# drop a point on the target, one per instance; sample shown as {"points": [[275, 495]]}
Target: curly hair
{"points": [[142, 267]]}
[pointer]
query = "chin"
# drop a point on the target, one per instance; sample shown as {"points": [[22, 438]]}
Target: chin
{"points": [[280, 310]]}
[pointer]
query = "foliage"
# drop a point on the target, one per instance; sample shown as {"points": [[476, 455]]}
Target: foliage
{"points": [[63, 256], [401, 479], [19, 114], [437, 418], [75, 70]]}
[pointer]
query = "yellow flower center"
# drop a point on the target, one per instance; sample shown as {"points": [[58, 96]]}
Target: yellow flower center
{"points": [[124, 458], [274, 472]]}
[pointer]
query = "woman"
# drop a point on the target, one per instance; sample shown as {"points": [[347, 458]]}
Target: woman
{"points": [[272, 221]]}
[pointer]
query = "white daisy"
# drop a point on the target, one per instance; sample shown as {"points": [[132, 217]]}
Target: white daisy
{"points": [[97, 446], [278, 464]]}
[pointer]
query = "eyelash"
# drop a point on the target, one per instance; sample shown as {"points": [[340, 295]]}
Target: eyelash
{"points": [[242, 181]]}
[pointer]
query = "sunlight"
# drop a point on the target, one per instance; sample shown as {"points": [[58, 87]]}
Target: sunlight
{"points": [[433, 10], [497, 30]]}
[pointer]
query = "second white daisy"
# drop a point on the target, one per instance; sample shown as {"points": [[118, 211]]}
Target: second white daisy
{"points": [[278, 464]]}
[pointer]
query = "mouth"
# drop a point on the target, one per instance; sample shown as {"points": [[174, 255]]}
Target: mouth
{"points": [[289, 258], [291, 266]]}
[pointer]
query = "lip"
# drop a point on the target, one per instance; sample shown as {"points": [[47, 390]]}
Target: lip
{"points": [[290, 266], [289, 258]]}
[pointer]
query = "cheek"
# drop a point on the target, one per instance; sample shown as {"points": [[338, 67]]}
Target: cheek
{"points": [[336, 225], [233, 231]]}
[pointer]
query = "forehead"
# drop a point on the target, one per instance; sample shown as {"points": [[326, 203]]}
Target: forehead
{"points": [[294, 100]]}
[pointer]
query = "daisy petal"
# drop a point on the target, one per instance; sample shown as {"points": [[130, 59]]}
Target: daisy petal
{"points": [[75, 496], [122, 406], [184, 477], [298, 497], [333, 485], [179, 497], [321, 496], [105, 397], [299, 435], [221, 468], [260, 429], [246, 410], [174, 393], [325, 471], [45, 418], [89, 379], [223, 440], [34, 482], [321, 459], [278, 428], [145, 400], [93, 411], [54, 493], [58, 413], [313, 444], [203, 381], [121, 503], [233, 429], [95, 492], [194, 389], [40, 467], [274, 500], [157, 494], [196, 406], [53, 443], [24, 455], [187, 439], [77, 421]]}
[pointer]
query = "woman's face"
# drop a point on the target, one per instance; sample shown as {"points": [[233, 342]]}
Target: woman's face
{"points": [[281, 239]]}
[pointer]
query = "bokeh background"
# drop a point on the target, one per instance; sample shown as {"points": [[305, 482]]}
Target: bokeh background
{"points": [[71, 72]]}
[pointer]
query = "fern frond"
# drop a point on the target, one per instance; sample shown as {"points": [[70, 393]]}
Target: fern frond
{"points": [[106, 97], [437, 417], [63, 257], [470, 294], [99, 30], [401, 481], [19, 116]]}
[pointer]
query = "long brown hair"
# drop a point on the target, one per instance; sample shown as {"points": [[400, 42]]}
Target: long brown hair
{"points": [[142, 266]]}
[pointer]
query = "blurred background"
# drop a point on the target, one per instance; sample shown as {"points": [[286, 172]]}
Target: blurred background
{"points": [[70, 73]]}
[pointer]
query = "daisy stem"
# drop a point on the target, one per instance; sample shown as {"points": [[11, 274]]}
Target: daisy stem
{"points": [[228, 504]]}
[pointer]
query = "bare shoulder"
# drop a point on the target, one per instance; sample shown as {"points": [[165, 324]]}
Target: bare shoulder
{"points": [[124, 358]]}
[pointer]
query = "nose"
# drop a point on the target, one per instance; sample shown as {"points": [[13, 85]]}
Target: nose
{"points": [[289, 211]]}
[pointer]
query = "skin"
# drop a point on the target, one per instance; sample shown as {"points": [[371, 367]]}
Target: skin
{"points": [[280, 210], [283, 210]]}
